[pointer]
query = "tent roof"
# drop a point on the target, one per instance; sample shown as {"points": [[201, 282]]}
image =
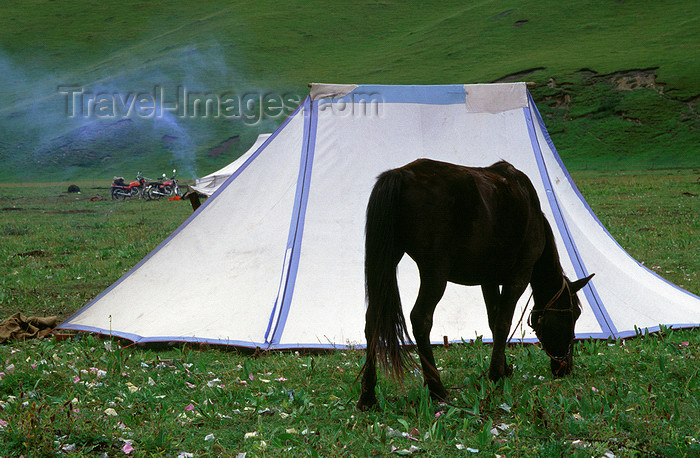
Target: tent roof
{"points": [[280, 245], [210, 183]]}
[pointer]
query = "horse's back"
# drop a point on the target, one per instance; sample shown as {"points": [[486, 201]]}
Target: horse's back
{"points": [[472, 222], [500, 184]]}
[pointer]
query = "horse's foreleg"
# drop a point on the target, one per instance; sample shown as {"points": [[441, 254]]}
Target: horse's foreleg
{"points": [[492, 298], [422, 321], [500, 308], [369, 374]]}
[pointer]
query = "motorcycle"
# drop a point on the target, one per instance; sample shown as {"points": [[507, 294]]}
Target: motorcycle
{"points": [[121, 190], [164, 188]]}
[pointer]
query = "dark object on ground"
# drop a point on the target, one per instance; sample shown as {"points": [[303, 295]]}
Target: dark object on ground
{"points": [[33, 253], [73, 188], [20, 327], [194, 199]]}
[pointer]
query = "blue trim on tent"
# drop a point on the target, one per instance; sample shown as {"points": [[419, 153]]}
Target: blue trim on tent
{"points": [[189, 219], [427, 95], [162, 339], [316, 346], [96, 330], [591, 294], [284, 279], [280, 293], [296, 229], [590, 291], [653, 329]]}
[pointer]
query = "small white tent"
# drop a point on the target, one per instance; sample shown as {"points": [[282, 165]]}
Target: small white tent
{"points": [[280, 245], [210, 183]]}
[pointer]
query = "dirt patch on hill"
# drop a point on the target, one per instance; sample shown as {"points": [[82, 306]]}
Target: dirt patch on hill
{"points": [[518, 76], [625, 80], [635, 79], [224, 147]]}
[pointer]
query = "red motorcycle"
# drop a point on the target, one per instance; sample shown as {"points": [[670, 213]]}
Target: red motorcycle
{"points": [[121, 190], [164, 188]]}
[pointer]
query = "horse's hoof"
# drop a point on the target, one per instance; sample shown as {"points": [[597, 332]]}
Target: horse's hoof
{"points": [[367, 402], [508, 371], [439, 394], [561, 368], [497, 374]]}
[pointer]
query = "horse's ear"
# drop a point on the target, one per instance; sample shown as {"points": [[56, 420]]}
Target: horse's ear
{"points": [[578, 284]]}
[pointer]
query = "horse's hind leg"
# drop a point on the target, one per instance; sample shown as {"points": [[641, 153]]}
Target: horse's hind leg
{"points": [[430, 293]]}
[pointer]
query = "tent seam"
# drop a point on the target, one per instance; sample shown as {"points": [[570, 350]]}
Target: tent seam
{"points": [[297, 226]]}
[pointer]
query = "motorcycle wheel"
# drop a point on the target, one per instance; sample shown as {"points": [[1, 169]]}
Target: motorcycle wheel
{"points": [[153, 194], [118, 194]]}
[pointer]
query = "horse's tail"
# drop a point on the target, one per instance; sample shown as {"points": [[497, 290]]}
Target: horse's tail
{"points": [[385, 327]]}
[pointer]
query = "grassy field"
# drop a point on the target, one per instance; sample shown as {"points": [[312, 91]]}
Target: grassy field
{"points": [[59, 250], [88, 397], [639, 397]]}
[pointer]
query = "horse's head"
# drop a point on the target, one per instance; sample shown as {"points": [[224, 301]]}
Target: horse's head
{"points": [[554, 324]]}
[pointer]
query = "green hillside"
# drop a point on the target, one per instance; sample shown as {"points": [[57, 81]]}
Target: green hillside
{"points": [[617, 80]]}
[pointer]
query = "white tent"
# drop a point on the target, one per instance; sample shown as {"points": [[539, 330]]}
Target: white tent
{"points": [[279, 248], [210, 183]]}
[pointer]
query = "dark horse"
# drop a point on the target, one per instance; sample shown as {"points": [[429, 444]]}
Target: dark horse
{"points": [[471, 226]]}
